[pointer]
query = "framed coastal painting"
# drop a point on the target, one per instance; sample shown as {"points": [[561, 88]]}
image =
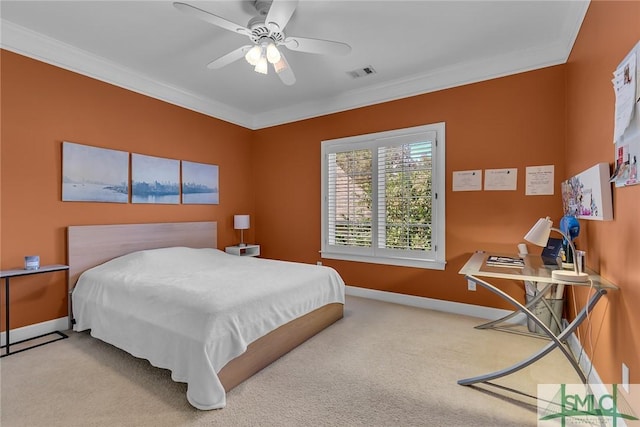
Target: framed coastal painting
{"points": [[93, 174], [154, 180], [200, 183]]}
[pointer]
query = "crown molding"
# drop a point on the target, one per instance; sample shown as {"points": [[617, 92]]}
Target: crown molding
{"points": [[444, 78], [23, 41], [37, 46]]}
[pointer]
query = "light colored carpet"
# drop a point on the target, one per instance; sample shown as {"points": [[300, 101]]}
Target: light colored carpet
{"points": [[382, 365]]}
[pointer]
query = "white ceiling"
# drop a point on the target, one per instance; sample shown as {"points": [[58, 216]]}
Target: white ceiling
{"points": [[414, 46]]}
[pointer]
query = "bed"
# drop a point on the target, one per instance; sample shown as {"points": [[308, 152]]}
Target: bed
{"points": [[165, 312]]}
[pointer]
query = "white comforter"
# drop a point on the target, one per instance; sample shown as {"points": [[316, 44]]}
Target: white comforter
{"points": [[193, 310]]}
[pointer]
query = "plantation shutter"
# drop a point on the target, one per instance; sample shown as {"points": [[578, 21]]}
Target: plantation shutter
{"points": [[383, 197], [405, 194], [350, 179]]}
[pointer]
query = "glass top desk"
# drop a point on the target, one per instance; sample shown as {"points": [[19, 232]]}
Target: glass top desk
{"points": [[476, 269]]}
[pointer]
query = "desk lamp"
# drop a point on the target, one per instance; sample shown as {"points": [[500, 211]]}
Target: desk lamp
{"points": [[539, 234], [241, 222]]}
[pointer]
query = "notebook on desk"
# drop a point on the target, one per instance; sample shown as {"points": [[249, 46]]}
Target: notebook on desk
{"points": [[551, 252]]}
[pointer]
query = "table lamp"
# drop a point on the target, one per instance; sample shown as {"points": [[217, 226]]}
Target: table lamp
{"points": [[539, 234], [241, 222]]}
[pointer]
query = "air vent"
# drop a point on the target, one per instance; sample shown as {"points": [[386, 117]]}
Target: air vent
{"points": [[361, 72]]}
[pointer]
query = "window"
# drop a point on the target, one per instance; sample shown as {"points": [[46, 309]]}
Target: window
{"points": [[383, 197]]}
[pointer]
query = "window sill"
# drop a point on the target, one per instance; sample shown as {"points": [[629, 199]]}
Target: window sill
{"points": [[403, 262]]}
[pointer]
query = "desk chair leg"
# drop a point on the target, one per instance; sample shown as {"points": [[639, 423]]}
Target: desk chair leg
{"points": [[556, 341]]}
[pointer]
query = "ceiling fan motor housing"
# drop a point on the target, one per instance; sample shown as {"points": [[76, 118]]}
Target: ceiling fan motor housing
{"points": [[259, 32]]}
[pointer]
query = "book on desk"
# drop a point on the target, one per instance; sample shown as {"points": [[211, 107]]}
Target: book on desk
{"points": [[504, 261]]}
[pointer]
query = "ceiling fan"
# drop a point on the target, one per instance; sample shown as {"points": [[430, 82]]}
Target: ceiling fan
{"points": [[266, 32]]}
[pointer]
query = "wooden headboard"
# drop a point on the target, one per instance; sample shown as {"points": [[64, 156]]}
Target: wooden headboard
{"points": [[91, 245]]}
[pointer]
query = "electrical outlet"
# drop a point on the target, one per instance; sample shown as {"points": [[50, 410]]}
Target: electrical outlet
{"points": [[319, 263], [471, 285], [625, 377]]}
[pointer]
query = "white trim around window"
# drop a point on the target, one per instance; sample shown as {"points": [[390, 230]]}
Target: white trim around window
{"points": [[383, 197]]}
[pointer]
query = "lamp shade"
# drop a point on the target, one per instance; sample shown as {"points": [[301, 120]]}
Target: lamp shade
{"points": [[253, 55], [273, 54], [241, 222], [539, 233], [262, 66]]}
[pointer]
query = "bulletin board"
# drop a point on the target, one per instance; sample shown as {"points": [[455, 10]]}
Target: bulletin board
{"points": [[627, 119]]}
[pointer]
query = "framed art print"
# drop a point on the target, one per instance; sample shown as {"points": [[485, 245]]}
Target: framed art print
{"points": [[199, 183], [93, 174], [155, 180]]}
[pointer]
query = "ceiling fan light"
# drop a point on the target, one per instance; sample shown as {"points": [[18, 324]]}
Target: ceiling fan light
{"points": [[273, 54], [254, 54], [262, 66]]}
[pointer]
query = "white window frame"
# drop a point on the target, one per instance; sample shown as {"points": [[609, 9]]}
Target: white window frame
{"points": [[434, 259]]}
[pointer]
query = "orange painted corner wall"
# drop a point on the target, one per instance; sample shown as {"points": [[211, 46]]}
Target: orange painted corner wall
{"points": [[511, 122], [608, 33], [561, 116], [42, 106]]}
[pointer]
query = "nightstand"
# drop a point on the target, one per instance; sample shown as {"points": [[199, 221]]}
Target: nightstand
{"points": [[249, 250], [6, 275]]}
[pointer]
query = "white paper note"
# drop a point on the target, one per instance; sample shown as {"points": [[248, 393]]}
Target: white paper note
{"points": [[501, 179], [539, 180], [467, 180], [624, 85]]}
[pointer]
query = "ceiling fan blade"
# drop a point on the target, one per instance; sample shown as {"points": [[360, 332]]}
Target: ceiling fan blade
{"points": [[211, 18], [323, 47], [229, 58], [279, 14], [284, 71]]}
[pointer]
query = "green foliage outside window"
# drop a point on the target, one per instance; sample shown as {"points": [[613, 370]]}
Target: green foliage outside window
{"points": [[405, 174]]}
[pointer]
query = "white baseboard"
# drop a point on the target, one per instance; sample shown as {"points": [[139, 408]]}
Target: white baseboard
{"points": [[61, 324], [31, 331], [597, 387], [488, 313], [435, 304], [585, 363]]}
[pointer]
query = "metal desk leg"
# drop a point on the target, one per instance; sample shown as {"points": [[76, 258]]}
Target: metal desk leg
{"points": [[531, 303], [556, 341], [7, 317]]}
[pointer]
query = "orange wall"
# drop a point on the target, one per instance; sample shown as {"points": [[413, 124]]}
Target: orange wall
{"points": [[511, 122], [560, 116], [42, 106], [608, 33]]}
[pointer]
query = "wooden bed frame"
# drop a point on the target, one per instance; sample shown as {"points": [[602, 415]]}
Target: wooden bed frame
{"points": [[91, 245]]}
